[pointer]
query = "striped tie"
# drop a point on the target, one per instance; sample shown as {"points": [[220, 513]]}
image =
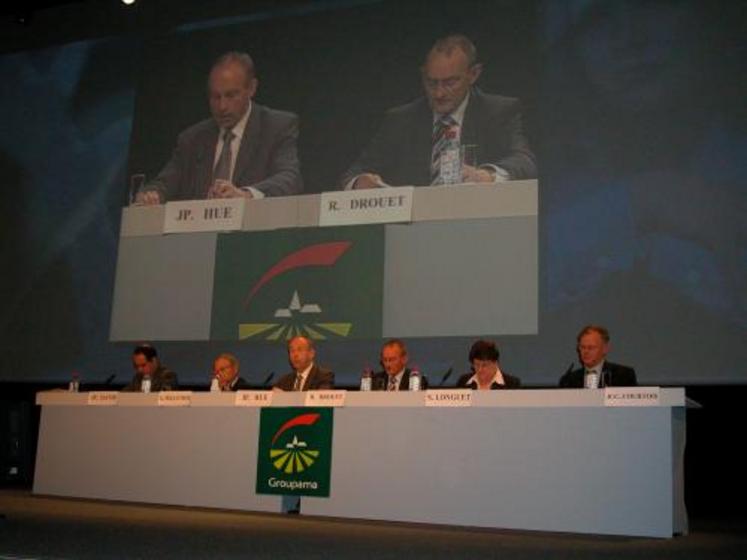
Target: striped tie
{"points": [[440, 128]]}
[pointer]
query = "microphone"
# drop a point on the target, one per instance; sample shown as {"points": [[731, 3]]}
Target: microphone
{"points": [[570, 368], [446, 376], [269, 378], [109, 379]]}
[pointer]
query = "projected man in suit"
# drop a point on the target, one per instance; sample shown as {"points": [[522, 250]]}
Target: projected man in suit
{"points": [[146, 364], [306, 375], [403, 152], [245, 149], [396, 374], [593, 344]]}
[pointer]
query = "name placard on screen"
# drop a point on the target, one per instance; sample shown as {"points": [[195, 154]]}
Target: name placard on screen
{"points": [[189, 216], [366, 206], [253, 398]]}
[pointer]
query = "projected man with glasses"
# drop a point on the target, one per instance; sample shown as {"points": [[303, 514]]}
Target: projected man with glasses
{"points": [[245, 149], [407, 148]]}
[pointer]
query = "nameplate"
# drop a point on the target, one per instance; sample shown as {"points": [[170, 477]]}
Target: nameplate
{"points": [[253, 398], [448, 397], [631, 396], [220, 214], [325, 398], [103, 398], [366, 206], [174, 398]]}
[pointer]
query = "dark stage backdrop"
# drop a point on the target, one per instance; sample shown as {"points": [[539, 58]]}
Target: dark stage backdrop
{"points": [[635, 110]]}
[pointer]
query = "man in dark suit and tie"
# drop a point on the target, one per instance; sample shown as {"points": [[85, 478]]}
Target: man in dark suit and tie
{"points": [[306, 375], [396, 374], [245, 149], [593, 344], [406, 149]]}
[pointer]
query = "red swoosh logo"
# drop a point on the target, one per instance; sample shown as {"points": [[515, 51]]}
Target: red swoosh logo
{"points": [[321, 254], [302, 420]]}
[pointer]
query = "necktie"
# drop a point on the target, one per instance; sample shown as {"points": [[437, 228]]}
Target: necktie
{"points": [[223, 167], [392, 386], [440, 130], [298, 383]]}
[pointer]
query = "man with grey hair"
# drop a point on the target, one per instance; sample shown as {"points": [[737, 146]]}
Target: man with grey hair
{"points": [[245, 149], [592, 346], [407, 148]]}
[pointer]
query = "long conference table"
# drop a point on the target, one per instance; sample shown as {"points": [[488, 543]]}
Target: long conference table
{"points": [[541, 460]]}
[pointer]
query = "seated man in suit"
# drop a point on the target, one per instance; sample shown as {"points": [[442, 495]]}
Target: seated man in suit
{"points": [[408, 146], [396, 374], [148, 369], [486, 374], [593, 344], [245, 149], [226, 371], [306, 375]]}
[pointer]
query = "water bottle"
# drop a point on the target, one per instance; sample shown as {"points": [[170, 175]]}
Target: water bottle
{"points": [[451, 160], [591, 380], [214, 385], [414, 380], [145, 384], [366, 379], [74, 385]]}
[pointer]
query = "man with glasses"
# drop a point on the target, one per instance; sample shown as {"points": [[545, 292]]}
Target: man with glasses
{"points": [[407, 147], [226, 373]]}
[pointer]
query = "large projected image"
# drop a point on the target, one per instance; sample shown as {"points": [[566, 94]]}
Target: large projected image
{"points": [[630, 114]]}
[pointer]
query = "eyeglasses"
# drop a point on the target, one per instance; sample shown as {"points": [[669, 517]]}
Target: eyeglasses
{"points": [[449, 84]]}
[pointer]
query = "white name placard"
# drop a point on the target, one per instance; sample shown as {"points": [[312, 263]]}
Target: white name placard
{"points": [[366, 206], [219, 214], [174, 398], [325, 398], [103, 398], [253, 398], [448, 397], [631, 396]]}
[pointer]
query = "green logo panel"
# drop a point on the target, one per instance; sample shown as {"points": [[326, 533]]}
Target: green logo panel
{"points": [[295, 451], [324, 283]]}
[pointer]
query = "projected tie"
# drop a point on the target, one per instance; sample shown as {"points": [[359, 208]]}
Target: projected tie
{"points": [[223, 167], [298, 383], [440, 128]]}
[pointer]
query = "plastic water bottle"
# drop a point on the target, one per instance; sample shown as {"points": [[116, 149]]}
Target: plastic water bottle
{"points": [[366, 379], [414, 380], [591, 380], [74, 385], [215, 385], [145, 384], [451, 160]]}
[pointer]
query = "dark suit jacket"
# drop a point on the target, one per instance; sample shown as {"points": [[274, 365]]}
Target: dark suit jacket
{"points": [[511, 382], [613, 375], [401, 150], [318, 378], [267, 158], [162, 380], [380, 381]]}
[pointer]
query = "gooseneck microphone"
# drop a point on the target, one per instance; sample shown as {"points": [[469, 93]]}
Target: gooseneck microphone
{"points": [[446, 376]]}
